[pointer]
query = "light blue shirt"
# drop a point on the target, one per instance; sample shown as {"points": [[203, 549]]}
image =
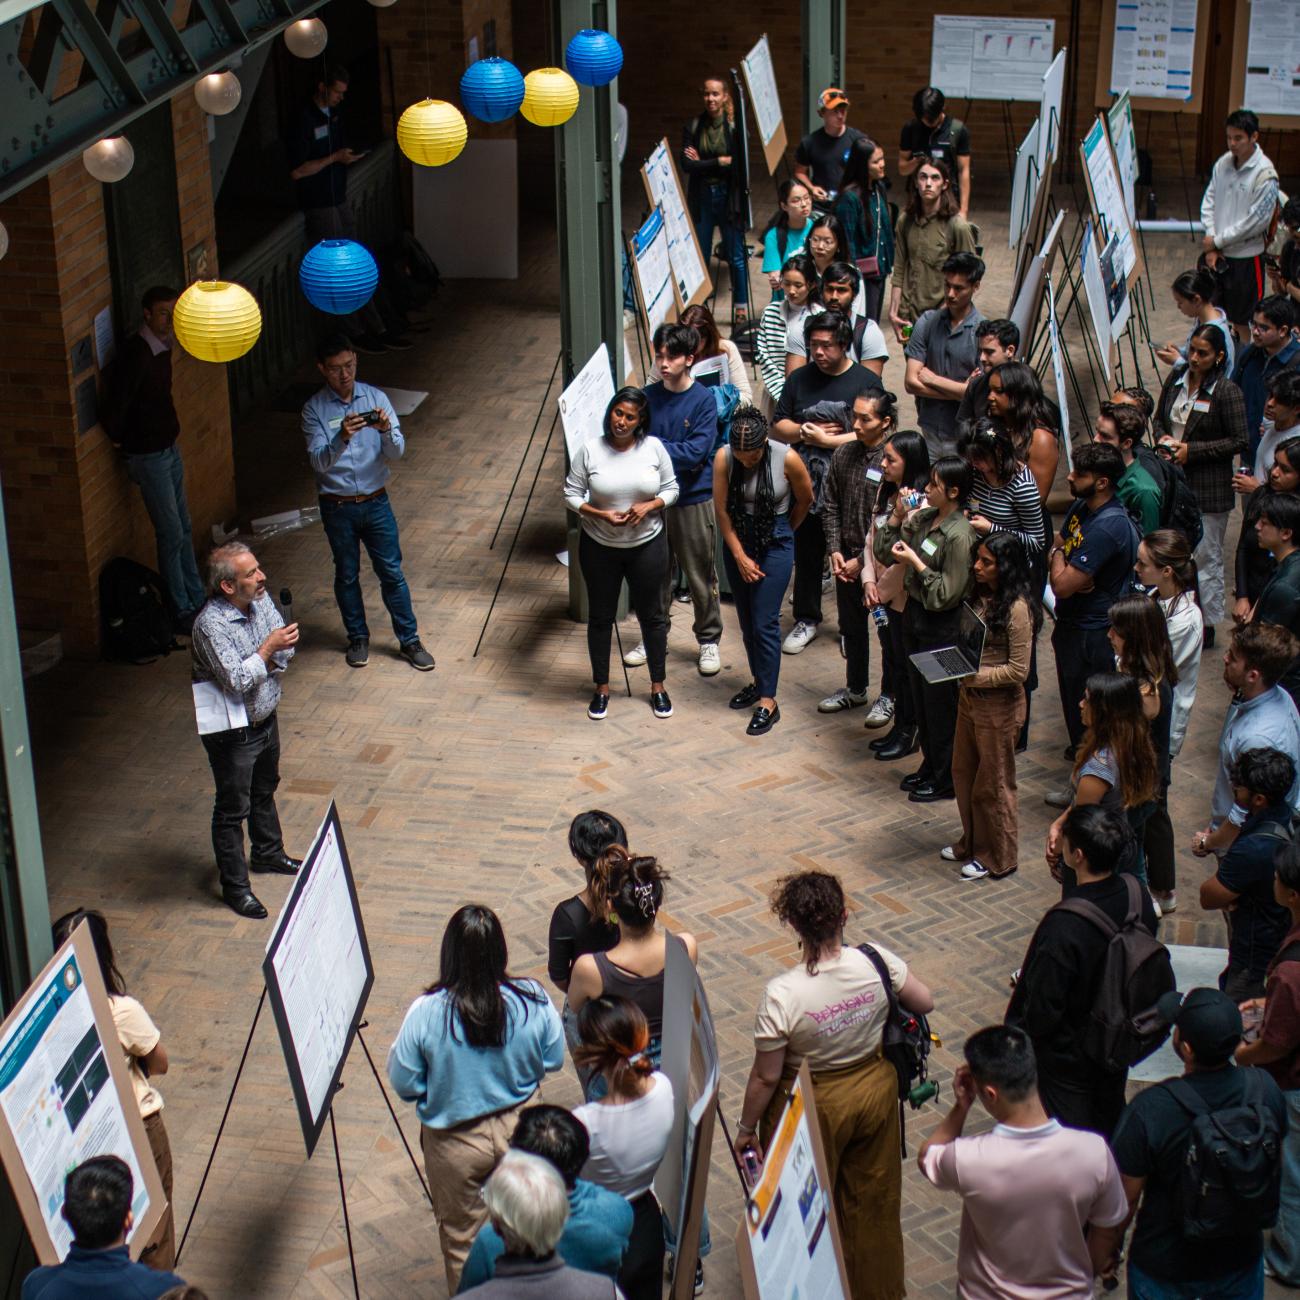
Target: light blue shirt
{"points": [[452, 1082], [358, 466], [1269, 721]]}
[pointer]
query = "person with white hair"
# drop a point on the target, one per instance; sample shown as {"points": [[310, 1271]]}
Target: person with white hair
{"points": [[528, 1205]]}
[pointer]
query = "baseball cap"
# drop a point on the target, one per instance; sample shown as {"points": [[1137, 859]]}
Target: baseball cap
{"points": [[832, 97], [1208, 1021]]}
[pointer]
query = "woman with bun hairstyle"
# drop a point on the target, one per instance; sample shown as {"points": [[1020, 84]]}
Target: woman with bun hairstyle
{"points": [[629, 1129]]}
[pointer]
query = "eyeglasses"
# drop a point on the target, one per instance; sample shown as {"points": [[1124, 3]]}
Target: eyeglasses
{"points": [[347, 368]]}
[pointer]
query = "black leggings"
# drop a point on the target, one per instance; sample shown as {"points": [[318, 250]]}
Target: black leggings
{"points": [[604, 569], [641, 1275]]}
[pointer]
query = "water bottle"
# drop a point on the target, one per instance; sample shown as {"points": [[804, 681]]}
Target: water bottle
{"points": [[880, 617]]}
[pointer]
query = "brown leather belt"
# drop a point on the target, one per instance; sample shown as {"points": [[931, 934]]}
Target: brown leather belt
{"points": [[351, 501]]}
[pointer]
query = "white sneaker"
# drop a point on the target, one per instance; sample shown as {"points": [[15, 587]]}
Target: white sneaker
{"points": [[881, 712], [1166, 902], [973, 871], [949, 854], [842, 699], [1155, 903], [636, 656], [710, 659], [800, 635]]}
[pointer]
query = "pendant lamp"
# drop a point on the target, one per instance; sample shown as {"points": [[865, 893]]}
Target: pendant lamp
{"points": [[593, 57], [432, 132], [550, 97], [492, 89], [215, 320], [338, 276]]}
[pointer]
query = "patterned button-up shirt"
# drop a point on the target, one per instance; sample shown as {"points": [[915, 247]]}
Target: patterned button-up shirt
{"points": [[224, 645]]}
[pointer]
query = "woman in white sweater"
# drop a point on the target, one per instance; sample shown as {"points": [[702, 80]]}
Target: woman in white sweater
{"points": [[1165, 564], [619, 485]]}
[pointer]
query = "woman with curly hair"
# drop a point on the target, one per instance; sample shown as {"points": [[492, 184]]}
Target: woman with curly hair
{"points": [[990, 711], [761, 493], [830, 1010]]}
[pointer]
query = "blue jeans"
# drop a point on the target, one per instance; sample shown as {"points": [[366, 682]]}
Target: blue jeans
{"points": [[1245, 1284], [1283, 1249], [758, 606], [160, 476], [715, 212], [349, 525]]}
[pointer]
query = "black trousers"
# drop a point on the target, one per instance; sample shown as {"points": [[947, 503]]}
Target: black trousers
{"points": [[855, 628], [895, 671], [1089, 1101], [641, 1275], [809, 565], [1158, 841], [1080, 652], [246, 767], [934, 706], [604, 569]]}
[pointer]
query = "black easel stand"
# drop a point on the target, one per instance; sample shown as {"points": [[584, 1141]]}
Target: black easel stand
{"points": [[343, 1197], [742, 113], [731, 1146], [541, 407], [397, 1123]]}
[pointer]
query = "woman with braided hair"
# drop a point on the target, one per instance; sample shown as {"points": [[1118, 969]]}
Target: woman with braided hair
{"points": [[761, 493]]}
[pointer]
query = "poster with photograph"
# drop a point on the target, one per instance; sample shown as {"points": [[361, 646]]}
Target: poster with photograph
{"points": [[1107, 193], [663, 187]]}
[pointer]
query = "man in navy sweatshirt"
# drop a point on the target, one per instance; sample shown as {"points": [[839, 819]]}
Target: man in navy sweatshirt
{"points": [[684, 417]]}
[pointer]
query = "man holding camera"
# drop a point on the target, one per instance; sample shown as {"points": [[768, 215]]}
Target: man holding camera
{"points": [[352, 433]]}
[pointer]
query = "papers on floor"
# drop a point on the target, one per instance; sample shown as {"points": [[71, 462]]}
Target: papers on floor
{"points": [[405, 400]]}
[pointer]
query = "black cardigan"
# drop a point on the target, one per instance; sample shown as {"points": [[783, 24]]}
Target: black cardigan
{"points": [[703, 172]]}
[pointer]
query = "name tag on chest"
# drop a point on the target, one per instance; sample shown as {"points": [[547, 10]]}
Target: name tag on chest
{"points": [[938, 153], [873, 475], [1201, 406], [929, 546], [323, 132]]}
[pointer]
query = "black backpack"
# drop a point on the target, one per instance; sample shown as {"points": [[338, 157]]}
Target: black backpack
{"points": [[1123, 1026], [1179, 508], [136, 627], [1231, 1175]]}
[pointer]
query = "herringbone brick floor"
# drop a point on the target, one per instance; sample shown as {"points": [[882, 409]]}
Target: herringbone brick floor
{"points": [[459, 785]]}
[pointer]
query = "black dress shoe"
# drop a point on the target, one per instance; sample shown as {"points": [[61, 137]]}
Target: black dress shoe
{"points": [[279, 863], [884, 742], [917, 778], [245, 904], [744, 698], [928, 792], [904, 743], [764, 720]]}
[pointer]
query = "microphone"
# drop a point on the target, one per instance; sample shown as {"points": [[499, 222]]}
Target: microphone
{"points": [[286, 605]]}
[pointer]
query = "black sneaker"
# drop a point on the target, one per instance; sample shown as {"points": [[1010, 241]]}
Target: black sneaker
{"points": [[661, 705], [599, 706], [418, 657], [358, 652]]}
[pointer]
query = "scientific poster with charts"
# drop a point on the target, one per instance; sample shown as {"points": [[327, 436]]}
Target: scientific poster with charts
{"points": [[319, 974], [763, 98], [990, 58], [1273, 57], [664, 188], [1154, 49], [583, 403], [1107, 192], [65, 1096], [654, 272], [1123, 140]]}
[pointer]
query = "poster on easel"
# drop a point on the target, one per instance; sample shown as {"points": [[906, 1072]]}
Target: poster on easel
{"points": [[65, 1096], [653, 270], [1154, 50], [760, 80], [1033, 232], [584, 402], [663, 187], [1265, 62], [990, 58], [1123, 142], [1106, 193], [1022, 187], [319, 975], [1058, 373], [1050, 101], [788, 1243], [1094, 291]]}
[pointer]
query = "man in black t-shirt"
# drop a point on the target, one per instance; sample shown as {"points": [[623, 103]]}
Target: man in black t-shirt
{"points": [[933, 134], [1150, 1147], [819, 160]]}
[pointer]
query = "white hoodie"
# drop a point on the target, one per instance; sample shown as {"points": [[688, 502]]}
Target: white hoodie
{"points": [[1239, 203]]}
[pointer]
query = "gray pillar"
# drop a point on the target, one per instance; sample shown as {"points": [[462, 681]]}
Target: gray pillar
{"points": [[590, 228], [823, 53]]}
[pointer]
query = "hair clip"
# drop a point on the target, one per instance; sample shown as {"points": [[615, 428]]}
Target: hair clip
{"points": [[644, 895], [635, 1057]]}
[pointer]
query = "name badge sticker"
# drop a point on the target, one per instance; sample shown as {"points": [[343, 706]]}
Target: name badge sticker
{"points": [[938, 153], [1201, 406], [335, 424], [874, 474], [322, 132], [929, 546]]}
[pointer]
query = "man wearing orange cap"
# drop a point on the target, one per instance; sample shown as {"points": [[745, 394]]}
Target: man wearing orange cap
{"points": [[819, 160]]}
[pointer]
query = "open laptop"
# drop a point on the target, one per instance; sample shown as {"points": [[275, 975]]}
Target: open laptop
{"points": [[950, 662]]}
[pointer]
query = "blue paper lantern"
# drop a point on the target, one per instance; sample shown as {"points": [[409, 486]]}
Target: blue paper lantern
{"points": [[492, 89], [338, 276], [593, 57]]}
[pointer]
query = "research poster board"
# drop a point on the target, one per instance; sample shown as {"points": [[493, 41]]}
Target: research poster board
{"points": [[65, 1096], [1154, 50], [1058, 372], [1033, 232], [1106, 191], [990, 58], [583, 403], [1123, 143], [653, 270], [760, 81], [1266, 61], [663, 187], [319, 974], [788, 1242], [1022, 188], [1049, 113], [690, 1060], [1094, 290]]}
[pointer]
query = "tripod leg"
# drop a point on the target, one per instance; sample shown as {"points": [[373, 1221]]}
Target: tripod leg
{"points": [[343, 1196], [397, 1123], [731, 1146]]}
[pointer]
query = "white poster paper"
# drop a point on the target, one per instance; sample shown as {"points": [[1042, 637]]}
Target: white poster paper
{"points": [[105, 339], [763, 98], [1058, 372], [1094, 290], [689, 269], [1273, 57], [1049, 113], [215, 711], [583, 403], [1123, 140], [990, 58], [1021, 187], [1108, 193], [1154, 49], [58, 1097], [654, 269]]}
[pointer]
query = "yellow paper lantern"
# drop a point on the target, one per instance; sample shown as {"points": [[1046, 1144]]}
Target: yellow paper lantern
{"points": [[432, 132], [216, 321], [550, 97]]}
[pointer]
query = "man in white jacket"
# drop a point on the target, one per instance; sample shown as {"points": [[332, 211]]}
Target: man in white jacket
{"points": [[1237, 211]]}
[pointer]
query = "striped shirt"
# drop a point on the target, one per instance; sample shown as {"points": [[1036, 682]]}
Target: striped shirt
{"points": [[772, 343], [1013, 507]]}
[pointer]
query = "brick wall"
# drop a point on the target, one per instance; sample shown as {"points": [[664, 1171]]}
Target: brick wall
{"points": [[69, 503]]}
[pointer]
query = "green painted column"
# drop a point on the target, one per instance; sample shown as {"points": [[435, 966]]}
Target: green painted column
{"points": [[824, 36], [589, 219]]}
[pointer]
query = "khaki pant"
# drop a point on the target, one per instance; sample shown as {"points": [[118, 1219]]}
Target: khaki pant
{"points": [[984, 776], [693, 537], [161, 1251], [458, 1162]]}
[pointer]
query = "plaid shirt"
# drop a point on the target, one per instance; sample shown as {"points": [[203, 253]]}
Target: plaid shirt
{"points": [[849, 496], [223, 647], [1214, 438]]}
